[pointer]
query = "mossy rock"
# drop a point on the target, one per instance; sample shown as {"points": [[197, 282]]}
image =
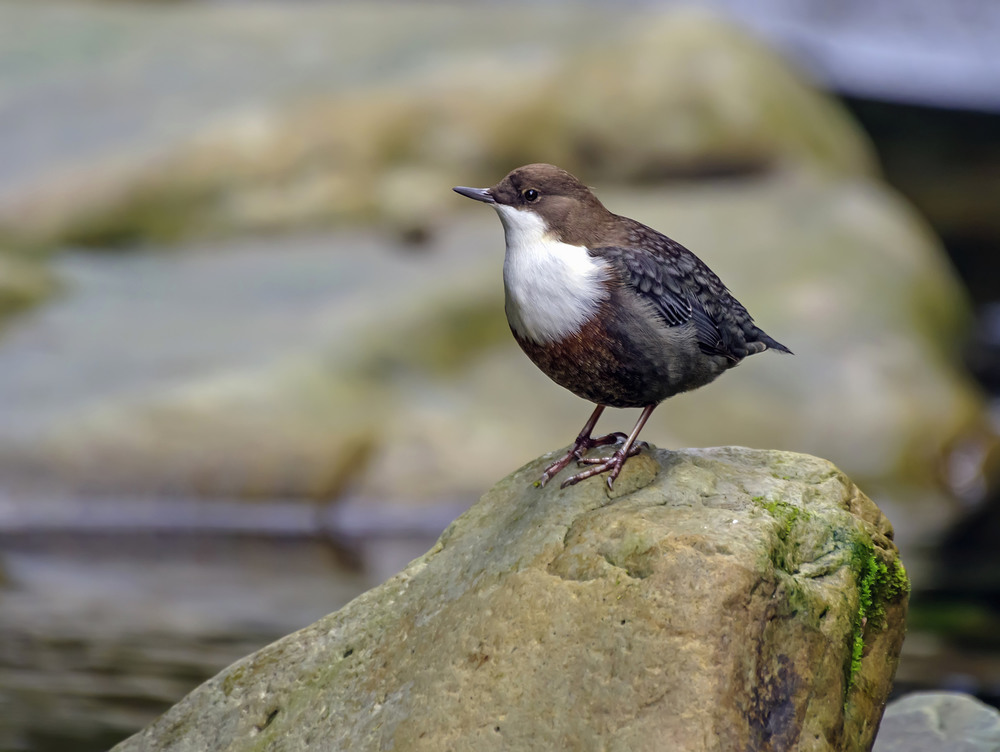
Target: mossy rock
{"points": [[711, 601]]}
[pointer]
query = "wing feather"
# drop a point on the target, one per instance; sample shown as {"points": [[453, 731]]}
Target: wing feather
{"points": [[681, 289]]}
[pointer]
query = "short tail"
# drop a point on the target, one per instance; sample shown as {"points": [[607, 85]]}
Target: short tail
{"points": [[764, 342]]}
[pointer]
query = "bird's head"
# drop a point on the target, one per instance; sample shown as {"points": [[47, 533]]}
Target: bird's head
{"points": [[567, 209]]}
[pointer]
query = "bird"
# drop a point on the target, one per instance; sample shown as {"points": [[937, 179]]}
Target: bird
{"points": [[609, 308]]}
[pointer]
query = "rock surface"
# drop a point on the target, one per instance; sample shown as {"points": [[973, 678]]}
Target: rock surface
{"points": [[938, 722], [721, 599]]}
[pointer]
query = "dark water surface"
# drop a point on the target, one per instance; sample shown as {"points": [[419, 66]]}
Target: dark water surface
{"points": [[100, 633]]}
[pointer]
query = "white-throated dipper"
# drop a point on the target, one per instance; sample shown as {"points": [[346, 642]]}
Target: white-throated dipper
{"points": [[609, 308]]}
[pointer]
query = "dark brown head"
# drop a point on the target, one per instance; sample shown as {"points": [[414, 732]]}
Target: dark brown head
{"points": [[571, 213]]}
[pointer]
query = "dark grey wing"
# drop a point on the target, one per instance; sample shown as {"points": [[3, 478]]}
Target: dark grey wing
{"points": [[681, 288], [651, 279]]}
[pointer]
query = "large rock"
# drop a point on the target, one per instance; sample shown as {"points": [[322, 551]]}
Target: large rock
{"points": [[719, 599]]}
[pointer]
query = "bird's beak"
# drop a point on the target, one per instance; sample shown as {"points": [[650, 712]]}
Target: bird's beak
{"points": [[479, 194]]}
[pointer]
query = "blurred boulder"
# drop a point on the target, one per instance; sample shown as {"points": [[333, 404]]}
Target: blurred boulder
{"points": [[435, 388], [677, 93], [289, 433], [720, 599], [688, 95]]}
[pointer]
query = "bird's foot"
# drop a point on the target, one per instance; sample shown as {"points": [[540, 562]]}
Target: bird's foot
{"points": [[613, 463], [582, 445]]}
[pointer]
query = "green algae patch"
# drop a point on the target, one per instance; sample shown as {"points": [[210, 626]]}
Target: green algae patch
{"points": [[786, 554], [787, 514]]}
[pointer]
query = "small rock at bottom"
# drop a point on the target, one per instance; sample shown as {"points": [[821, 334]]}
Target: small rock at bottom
{"points": [[938, 722]]}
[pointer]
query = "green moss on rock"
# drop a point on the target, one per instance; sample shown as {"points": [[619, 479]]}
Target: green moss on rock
{"points": [[787, 513], [869, 576], [879, 583]]}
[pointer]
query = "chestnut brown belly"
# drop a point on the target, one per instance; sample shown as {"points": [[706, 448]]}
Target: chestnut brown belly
{"points": [[611, 364]]}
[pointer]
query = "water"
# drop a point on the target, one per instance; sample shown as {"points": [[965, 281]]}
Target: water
{"points": [[100, 633]]}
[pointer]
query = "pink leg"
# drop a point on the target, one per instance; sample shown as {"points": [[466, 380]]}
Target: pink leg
{"points": [[582, 444], [616, 461]]}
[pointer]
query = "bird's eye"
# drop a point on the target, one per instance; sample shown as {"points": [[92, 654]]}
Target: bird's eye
{"points": [[530, 195]]}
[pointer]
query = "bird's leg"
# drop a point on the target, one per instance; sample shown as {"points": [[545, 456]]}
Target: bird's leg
{"points": [[616, 461], [581, 445]]}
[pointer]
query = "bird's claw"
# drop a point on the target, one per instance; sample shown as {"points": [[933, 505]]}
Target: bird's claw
{"points": [[613, 463], [579, 448]]}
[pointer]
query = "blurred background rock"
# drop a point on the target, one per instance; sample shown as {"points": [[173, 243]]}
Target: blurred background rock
{"points": [[252, 348]]}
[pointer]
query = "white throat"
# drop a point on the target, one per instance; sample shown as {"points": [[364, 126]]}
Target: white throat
{"points": [[551, 288]]}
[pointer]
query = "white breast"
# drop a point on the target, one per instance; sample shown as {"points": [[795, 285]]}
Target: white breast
{"points": [[551, 288]]}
